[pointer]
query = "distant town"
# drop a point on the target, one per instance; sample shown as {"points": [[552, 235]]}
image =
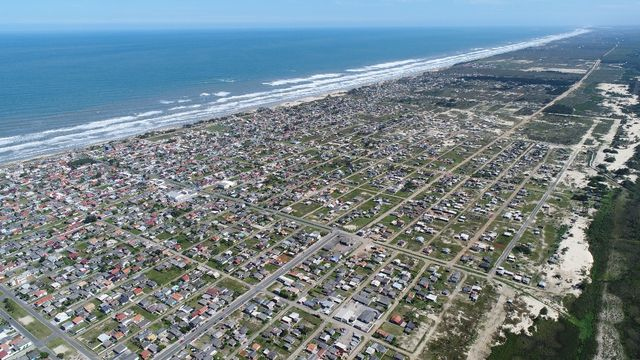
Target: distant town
{"points": [[430, 217]]}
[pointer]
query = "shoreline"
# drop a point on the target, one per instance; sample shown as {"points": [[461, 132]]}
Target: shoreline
{"points": [[171, 128], [350, 81]]}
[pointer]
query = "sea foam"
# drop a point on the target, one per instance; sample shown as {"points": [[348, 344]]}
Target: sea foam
{"points": [[30, 145], [301, 80]]}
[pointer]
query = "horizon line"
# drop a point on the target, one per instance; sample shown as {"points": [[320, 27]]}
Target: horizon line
{"points": [[43, 28]]}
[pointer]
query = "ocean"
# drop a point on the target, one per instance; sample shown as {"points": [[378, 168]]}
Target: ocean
{"points": [[64, 90]]}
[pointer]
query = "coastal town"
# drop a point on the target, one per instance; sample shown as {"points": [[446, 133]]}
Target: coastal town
{"points": [[427, 217]]}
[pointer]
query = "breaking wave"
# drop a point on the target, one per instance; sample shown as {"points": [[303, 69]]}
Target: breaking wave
{"points": [[30, 145], [301, 80]]}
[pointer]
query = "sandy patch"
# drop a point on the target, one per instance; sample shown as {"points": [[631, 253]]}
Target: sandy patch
{"points": [[632, 129], [60, 349], [577, 179], [606, 141], [481, 347], [609, 344], [521, 321], [574, 262], [449, 143], [350, 227], [617, 97], [26, 320], [617, 89], [623, 156], [412, 342], [559, 70]]}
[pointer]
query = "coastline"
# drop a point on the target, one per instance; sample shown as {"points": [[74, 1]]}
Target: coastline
{"points": [[431, 181], [305, 93], [171, 128]]}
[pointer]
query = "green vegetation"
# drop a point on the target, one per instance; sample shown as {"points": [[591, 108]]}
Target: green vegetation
{"points": [[460, 326], [163, 277], [558, 82], [557, 130], [559, 109], [147, 315], [61, 348], [552, 340], [35, 327], [90, 219], [602, 128], [634, 162], [615, 231], [622, 234], [80, 162], [233, 285]]}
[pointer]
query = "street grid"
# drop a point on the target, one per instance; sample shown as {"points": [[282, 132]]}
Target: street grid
{"points": [[369, 202]]}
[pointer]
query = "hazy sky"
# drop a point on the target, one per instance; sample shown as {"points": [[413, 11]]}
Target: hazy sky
{"points": [[44, 14]]}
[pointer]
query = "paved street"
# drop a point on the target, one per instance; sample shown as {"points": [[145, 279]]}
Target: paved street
{"points": [[237, 303], [75, 344], [552, 187], [37, 342]]}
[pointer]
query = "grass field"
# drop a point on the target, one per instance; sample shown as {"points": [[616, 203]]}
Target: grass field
{"points": [[61, 348], [557, 130], [35, 327]]}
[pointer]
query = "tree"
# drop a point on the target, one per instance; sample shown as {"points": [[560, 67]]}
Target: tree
{"points": [[90, 219], [544, 311]]}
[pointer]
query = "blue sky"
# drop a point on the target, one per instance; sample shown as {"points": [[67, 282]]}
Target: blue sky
{"points": [[83, 14]]}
